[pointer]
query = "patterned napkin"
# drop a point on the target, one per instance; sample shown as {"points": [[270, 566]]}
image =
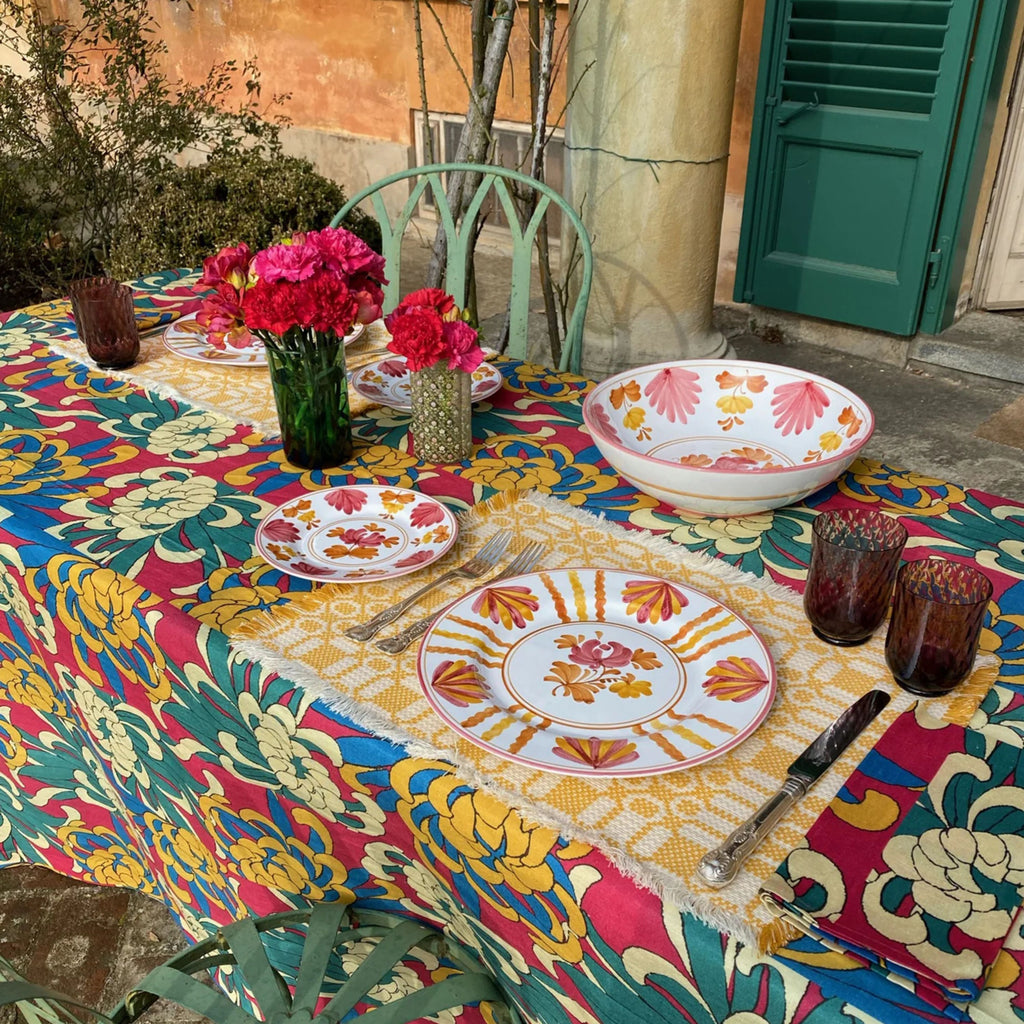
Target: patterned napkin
{"points": [[915, 871]]}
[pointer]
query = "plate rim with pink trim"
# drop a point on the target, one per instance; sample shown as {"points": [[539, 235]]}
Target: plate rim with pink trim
{"points": [[194, 346], [356, 533], [486, 384], [502, 683]]}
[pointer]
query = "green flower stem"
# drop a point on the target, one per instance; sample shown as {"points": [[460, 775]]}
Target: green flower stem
{"points": [[307, 370]]}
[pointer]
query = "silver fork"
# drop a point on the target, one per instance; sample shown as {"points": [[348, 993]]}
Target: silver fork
{"points": [[523, 562], [482, 562]]}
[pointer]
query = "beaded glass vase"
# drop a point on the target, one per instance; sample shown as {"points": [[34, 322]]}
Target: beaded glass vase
{"points": [[442, 412]]}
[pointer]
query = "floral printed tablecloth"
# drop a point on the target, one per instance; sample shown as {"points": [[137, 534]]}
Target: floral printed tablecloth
{"points": [[140, 748]]}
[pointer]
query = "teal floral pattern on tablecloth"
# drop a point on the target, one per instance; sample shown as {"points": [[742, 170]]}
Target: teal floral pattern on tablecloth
{"points": [[138, 748]]}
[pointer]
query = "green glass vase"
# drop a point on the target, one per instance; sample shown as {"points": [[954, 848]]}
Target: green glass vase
{"points": [[307, 371], [442, 413]]}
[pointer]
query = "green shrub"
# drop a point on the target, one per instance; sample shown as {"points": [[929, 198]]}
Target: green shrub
{"points": [[87, 116], [191, 212]]}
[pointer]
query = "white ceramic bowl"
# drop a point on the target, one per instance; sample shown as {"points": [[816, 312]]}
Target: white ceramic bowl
{"points": [[724, 437]]}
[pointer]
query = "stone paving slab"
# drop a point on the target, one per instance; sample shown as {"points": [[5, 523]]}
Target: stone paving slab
{"points": [[88, 941]]}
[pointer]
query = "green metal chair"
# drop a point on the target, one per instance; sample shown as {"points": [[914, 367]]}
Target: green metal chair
{"points": [[460, 235], [325, 932]]}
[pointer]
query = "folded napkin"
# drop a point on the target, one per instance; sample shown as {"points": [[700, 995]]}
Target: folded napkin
{"points": [[912, 878]]}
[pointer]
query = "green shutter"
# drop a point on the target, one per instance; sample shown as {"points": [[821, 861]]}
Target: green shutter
{"points": [[856, 113]]}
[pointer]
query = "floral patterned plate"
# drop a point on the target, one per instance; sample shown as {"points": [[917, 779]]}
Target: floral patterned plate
{"points": [[187, 338], [353, 534], [386, 382], [597, 672]]}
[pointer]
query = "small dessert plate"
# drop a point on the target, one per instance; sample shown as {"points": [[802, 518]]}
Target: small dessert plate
{"points": [[387, 382], [186, 337], [355, 534]]}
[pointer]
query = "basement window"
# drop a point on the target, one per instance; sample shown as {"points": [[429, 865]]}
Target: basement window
{"points": [[512, 150]]}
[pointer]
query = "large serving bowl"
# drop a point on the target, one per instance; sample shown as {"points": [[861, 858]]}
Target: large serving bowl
{"points": [[722, 437]]}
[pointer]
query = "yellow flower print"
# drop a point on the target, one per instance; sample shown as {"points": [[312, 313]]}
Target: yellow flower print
{"points": [[383, 460], [560, 387], [254, 847], [29, 459], [104, 857], [734, 404], [868, 481], [830, 441], [237, 595], [512, 472], [104, 612], [26, 681], [12, 744], [187, 861], [493, 848]]}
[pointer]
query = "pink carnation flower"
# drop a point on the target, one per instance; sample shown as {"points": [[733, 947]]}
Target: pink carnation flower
{"points": [[286, 263]]}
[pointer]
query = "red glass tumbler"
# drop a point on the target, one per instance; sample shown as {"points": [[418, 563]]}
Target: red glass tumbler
{"points": [[937, 615], [854, 557], [104, 314]]}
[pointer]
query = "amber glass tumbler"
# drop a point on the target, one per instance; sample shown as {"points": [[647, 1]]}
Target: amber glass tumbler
{"points": [[104, 315], [937, 615], [854, 557]]}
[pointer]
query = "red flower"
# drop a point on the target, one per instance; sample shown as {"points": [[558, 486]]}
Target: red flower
{"points": [[425, 328], [463, 351], [417, 334], [433, 298], [230, 266], [324, 280]]}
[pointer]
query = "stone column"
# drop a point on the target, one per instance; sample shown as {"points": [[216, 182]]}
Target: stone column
{"points": [[647, 147]]}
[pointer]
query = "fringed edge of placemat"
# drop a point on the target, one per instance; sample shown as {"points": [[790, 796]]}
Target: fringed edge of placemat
{"points": [[246, 643], [665, 886]]}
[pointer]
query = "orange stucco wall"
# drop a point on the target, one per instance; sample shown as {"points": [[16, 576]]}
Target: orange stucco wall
{"points": [[349, 65]]}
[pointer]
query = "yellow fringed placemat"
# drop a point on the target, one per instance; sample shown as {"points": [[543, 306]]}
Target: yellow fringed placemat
{"points": [[655, 828], [239, 393]]}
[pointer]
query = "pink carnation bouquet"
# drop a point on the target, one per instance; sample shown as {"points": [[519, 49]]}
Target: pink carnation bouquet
{"points": [[323, 281], [427, 326], [300, 298]]}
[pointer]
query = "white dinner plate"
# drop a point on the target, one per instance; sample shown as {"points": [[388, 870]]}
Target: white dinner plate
{"points": [[597, 672], [386, 381], [187, 338], [354, 534]]}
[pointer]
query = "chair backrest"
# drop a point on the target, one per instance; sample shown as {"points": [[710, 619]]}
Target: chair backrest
{"points": [[460, 239]]}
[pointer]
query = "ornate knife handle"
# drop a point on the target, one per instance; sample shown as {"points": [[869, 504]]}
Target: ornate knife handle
{"points": [[719, 867]]}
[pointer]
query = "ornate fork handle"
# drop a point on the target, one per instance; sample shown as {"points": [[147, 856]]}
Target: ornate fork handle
{"points": [[523, 562], [371, 627], [483, 561]]}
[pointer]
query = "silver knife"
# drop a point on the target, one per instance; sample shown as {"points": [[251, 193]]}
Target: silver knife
{"points": [[719, 867]]}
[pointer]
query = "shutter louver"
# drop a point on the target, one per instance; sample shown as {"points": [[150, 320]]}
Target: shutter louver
{"points": [[874, 54]]}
